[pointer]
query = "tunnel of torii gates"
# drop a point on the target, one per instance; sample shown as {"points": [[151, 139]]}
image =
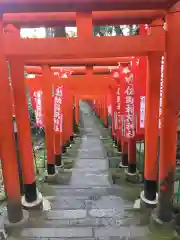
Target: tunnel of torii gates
{"points": [[119, 88]]}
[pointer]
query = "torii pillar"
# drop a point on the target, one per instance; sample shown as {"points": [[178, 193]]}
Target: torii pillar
{"points": [[8, 148], [32, 197], [77, 111], [48, 120], [169, 120], [149, 195]]}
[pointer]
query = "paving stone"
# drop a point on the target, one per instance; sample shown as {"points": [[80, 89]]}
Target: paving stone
{"points": [[68, 203], [57, 238], [92, 164], [121, 232], [85, 222], [66, 214], [49, 223], [102, 212], [88, 191], [91, 179], [105, 202], [57, 232]]}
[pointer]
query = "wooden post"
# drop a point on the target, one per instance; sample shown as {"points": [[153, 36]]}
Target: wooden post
{"points": [[8, 149], [24, 131], [71, 128], [84, 24], [48, 118], [113, 101], [65, 120], [77, 110], [57, 149], [169, 119], [124, 160], [105, 112], [58, 109], [151, 127], [149, 195], [132, 156]]}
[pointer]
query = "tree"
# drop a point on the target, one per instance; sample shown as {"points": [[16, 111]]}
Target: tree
{"points": [[103, 30], [56, 32], [60, 32], [133, 30], [116, 30]]}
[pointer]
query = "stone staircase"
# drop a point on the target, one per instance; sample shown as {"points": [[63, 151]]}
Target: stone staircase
{"points": [[88, 206]]}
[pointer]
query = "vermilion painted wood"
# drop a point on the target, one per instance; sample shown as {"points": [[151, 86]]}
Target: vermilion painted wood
{"points": [[81, 5], [8, 147], [22, 119], [108, 61], [75, 70], [99, 18], [95, 47], [83, 83], [48, 113]]}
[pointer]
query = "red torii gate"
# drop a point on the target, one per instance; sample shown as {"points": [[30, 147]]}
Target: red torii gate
{"points": [[153, 46], [80, 85], [99, 18], [82, 5]]}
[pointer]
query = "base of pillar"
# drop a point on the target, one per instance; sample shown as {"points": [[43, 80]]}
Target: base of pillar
{"points": [[119, 154], [150, 189], [119, 148], [72, 138], [131, 177], [58, 160], [51, 178], [9, 226], [124, 159], [145, 203], [70, 146], [123, 166], [114, 145], [37, 204], [51, 169], [59, 168], [64, 150], [158, 221], [30, 192]]}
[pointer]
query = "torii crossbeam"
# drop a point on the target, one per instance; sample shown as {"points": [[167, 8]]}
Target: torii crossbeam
{"points": [[81, 5]]}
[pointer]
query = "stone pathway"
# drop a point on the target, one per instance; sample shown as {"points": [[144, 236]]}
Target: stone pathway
{"points": [[89, 206]]}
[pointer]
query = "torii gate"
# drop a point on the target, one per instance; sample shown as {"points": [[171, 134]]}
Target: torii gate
{"points": [[153, 46], [80, 85]]}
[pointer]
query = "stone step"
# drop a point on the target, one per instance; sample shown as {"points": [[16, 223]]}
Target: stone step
{"points": [[87, 206], [86, 233], [57, 233], [85, 222], [90, 211], [86, 193]]}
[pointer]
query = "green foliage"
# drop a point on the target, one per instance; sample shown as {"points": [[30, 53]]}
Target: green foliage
{"points": [[31, 114], [116, 30], [103, 30], [30, 108]]}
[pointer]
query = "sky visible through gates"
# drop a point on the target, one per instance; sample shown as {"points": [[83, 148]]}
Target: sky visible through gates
{"points": [[41, 32]]}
